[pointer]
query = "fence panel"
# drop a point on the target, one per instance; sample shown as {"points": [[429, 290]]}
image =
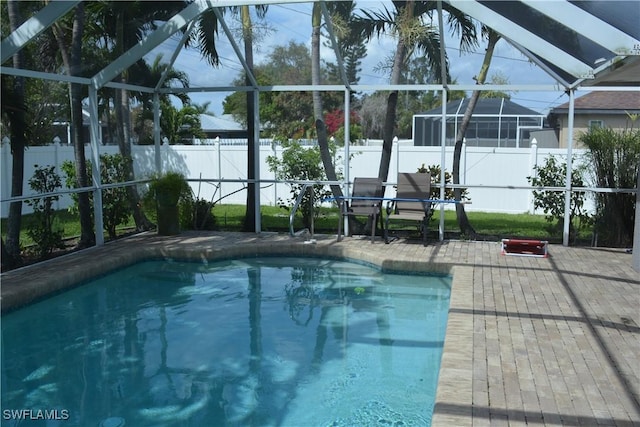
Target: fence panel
{"points": [[479, 166]]}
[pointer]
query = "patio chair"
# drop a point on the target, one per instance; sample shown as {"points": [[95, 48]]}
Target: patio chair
{"points": [[411, 186], [366, 201]]}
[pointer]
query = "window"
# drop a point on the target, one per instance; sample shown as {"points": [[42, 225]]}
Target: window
{"points": [[593, 124]]}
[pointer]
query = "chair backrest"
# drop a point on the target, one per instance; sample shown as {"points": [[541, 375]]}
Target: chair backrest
{"points": [[413, 186], [366, 187]]}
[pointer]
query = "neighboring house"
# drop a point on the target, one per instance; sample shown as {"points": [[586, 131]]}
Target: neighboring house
{"points": [[601, 108], [223, 127], [496, 122]]}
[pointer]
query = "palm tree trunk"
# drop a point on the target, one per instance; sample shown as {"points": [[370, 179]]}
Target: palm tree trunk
{"points": [[390, 116], [321, 130], [18, 145], [123, 118], [247, 35], [461, 215], [87, 235]]}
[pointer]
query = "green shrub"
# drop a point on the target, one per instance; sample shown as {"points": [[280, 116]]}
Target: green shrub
{"points": [[302, 164], [116, 209], [42, 226], [554, 174], [615, 156]]}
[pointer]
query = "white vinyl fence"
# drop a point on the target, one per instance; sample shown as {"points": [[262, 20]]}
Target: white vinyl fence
{"points": [[219, 164]]}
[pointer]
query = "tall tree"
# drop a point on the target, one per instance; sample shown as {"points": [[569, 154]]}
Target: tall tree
{"points": [[205, 38], [148, 75], [124, 24], [461, 215], [71, 52], [318, 113], [350, 46], [413, 33], [17, 116], [247, 36]]}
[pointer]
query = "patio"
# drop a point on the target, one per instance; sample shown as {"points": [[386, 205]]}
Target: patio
{"points": [[530, 341]]}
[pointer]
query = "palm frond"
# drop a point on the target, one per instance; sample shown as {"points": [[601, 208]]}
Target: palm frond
{"points": [[204, 37], [463, 26], [374, 23]]}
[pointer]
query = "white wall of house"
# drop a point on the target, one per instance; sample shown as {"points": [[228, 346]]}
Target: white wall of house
{"points": [[508, 167]]}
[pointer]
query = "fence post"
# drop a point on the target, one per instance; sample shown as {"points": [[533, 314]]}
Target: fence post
{"points": [[533, 162], [218, 146]]}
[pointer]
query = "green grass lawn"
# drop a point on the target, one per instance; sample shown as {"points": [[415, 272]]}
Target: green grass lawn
{"points": [[230, 218], [491, 225]]}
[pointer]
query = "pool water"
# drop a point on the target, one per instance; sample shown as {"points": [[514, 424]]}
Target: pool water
{"points": [[250, 342]]}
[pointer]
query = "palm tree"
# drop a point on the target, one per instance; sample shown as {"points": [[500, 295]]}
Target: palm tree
{"points": [[123, 24], [343, 12], [71, 52], [461, 215], [15, 108], [204, 37], [318, 113], [405, 21], [149, 76]]}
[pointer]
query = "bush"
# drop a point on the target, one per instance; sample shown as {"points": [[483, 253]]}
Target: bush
{"points": [[554, 174], [194, 213], [615, 157], [116, 209], [302, 164], [42, 228]]}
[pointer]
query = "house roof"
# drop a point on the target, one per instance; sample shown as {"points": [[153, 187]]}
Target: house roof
{"points": [[604, 101], [214, 123], [485, 106]]}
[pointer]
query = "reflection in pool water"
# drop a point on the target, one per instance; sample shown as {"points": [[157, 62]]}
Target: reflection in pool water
{"points": [[251, 342]]}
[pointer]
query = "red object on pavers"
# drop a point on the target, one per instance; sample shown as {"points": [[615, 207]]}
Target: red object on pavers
{"points": [[535, 248]]}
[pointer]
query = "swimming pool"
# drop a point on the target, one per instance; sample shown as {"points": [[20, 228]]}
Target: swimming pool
{"points": [[256, 341]]}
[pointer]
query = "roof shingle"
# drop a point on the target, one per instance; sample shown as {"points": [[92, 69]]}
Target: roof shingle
{"points": [[606, 100]]}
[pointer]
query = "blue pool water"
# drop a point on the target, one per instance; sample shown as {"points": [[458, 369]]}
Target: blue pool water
{"points": [[251, 342]]}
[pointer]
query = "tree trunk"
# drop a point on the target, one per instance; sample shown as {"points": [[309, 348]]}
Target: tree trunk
{"points": [[390, 115], [123, 118], [18, 145], [247, 35], [87, 235], [321, 130], [461, 215]]}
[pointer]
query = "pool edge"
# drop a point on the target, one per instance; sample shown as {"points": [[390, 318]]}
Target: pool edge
{"points": [[453, 404]]}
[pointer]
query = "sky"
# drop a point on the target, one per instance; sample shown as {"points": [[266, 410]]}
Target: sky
{"points": [[288, 22]]}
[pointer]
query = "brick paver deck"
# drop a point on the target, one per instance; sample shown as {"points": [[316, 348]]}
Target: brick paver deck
{"points": [[530, 341]]}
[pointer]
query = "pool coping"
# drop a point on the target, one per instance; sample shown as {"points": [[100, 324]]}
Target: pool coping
{"points": [[28, 285]]}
